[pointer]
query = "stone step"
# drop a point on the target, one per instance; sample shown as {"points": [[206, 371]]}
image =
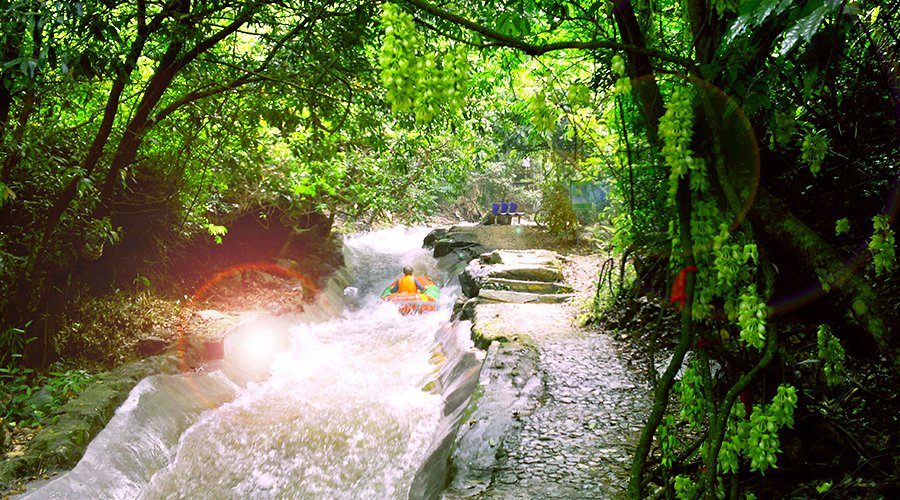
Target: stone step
{"points": [[526, 286], [522, 297], [524, 273]]}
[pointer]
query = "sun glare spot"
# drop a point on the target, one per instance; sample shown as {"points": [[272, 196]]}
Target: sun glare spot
{"points": [[256, 348]]}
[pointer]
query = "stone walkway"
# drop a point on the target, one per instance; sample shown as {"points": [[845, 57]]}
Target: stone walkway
{"points": [[579, 440], [558, 410]]}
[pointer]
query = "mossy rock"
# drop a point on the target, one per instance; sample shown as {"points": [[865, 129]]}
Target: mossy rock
{"points": [[61, 445]]}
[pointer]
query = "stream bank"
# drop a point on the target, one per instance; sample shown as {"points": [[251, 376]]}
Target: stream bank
{"points": [[129, 335], [60, 445]]}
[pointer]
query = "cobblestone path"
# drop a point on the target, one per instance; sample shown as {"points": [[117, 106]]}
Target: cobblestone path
{"points": [[578, 441]]}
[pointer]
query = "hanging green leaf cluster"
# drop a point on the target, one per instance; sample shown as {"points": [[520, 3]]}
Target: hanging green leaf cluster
{"points": [[415, 78], [623, 82], [882, 244], [831, 354], [676, 130], [542, 114], [815, 148]]}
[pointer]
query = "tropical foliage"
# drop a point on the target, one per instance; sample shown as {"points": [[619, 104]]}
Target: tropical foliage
{"points": [[750, 148], [720, 112]]}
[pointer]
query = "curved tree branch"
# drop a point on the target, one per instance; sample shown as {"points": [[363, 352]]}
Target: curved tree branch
{"points": [[501, 40]]}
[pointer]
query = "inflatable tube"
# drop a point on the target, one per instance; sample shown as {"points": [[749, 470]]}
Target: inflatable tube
{"points": [[414, 303]]}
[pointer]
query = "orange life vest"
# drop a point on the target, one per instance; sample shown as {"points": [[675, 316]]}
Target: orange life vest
{"points": [[407, 284]]}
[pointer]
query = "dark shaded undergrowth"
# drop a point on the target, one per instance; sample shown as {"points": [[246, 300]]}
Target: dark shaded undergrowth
{"points": [[844, 442]]}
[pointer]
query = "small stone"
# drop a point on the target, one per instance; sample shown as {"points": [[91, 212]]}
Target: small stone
{"points": [[210, 314]]}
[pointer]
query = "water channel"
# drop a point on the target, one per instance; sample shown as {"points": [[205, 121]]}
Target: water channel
{"points": [[338, 411]]}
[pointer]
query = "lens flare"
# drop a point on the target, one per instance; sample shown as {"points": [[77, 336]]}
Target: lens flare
{"points": [[256, 348], [740, 152], [184, 348]]}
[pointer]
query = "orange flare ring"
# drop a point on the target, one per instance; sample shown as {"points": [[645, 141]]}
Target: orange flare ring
{"points": [[188, 310]]}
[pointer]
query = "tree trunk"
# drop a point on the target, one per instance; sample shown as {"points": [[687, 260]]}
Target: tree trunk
{"points": [[13, 152], [778, 224], [5, 105], [640, 69], [706, 28], [101, 138], [667, 381], [44, 287]]}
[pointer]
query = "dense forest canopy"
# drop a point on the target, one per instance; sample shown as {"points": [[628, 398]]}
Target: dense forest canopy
{"points": [[750, 147]]}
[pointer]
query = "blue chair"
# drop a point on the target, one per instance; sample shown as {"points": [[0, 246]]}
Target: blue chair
{"points": [[514, 212], [504, 208], [495, 208]]}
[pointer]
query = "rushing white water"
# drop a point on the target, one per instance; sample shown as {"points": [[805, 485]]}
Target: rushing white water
{"points": [[343, 414]]}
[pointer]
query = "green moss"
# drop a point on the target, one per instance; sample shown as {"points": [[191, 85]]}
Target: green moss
{"points": [[876, 326], [473, 403], [484, 334], [62, 444]]}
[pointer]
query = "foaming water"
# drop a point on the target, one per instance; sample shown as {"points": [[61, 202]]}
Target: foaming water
{"points": [[343, 413], [378, 259], [343, 416]]}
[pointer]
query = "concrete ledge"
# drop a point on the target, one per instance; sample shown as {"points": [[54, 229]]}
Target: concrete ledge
{"points": [[459, 373], [61, 445]]}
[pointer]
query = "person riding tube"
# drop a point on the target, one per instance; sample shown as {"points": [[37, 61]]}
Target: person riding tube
{"points": [[411, 293], [406, 283]]}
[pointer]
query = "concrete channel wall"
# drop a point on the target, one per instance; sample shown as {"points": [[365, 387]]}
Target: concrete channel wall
{"points": [[460, 366]]}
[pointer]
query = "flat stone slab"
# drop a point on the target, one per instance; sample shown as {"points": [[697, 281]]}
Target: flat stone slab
{"points": [[523, 258], [525, 286], [512, 269], [525, 273], [510, 322], [523, 297]]}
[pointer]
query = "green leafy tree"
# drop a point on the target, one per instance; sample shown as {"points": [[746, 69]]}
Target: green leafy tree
{"points": [[703, 86]]}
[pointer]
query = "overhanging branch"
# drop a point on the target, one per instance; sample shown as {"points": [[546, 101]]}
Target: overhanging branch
{"points": [[502, 40]]}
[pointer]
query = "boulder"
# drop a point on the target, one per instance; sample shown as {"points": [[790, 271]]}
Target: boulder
{"points": [[491, 258], [464, 309], [209, 314], [446, 241], [434, 235], [463, 249]]}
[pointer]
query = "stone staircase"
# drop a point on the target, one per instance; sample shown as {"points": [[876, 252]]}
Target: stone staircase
{"points": [[515, 276]]}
